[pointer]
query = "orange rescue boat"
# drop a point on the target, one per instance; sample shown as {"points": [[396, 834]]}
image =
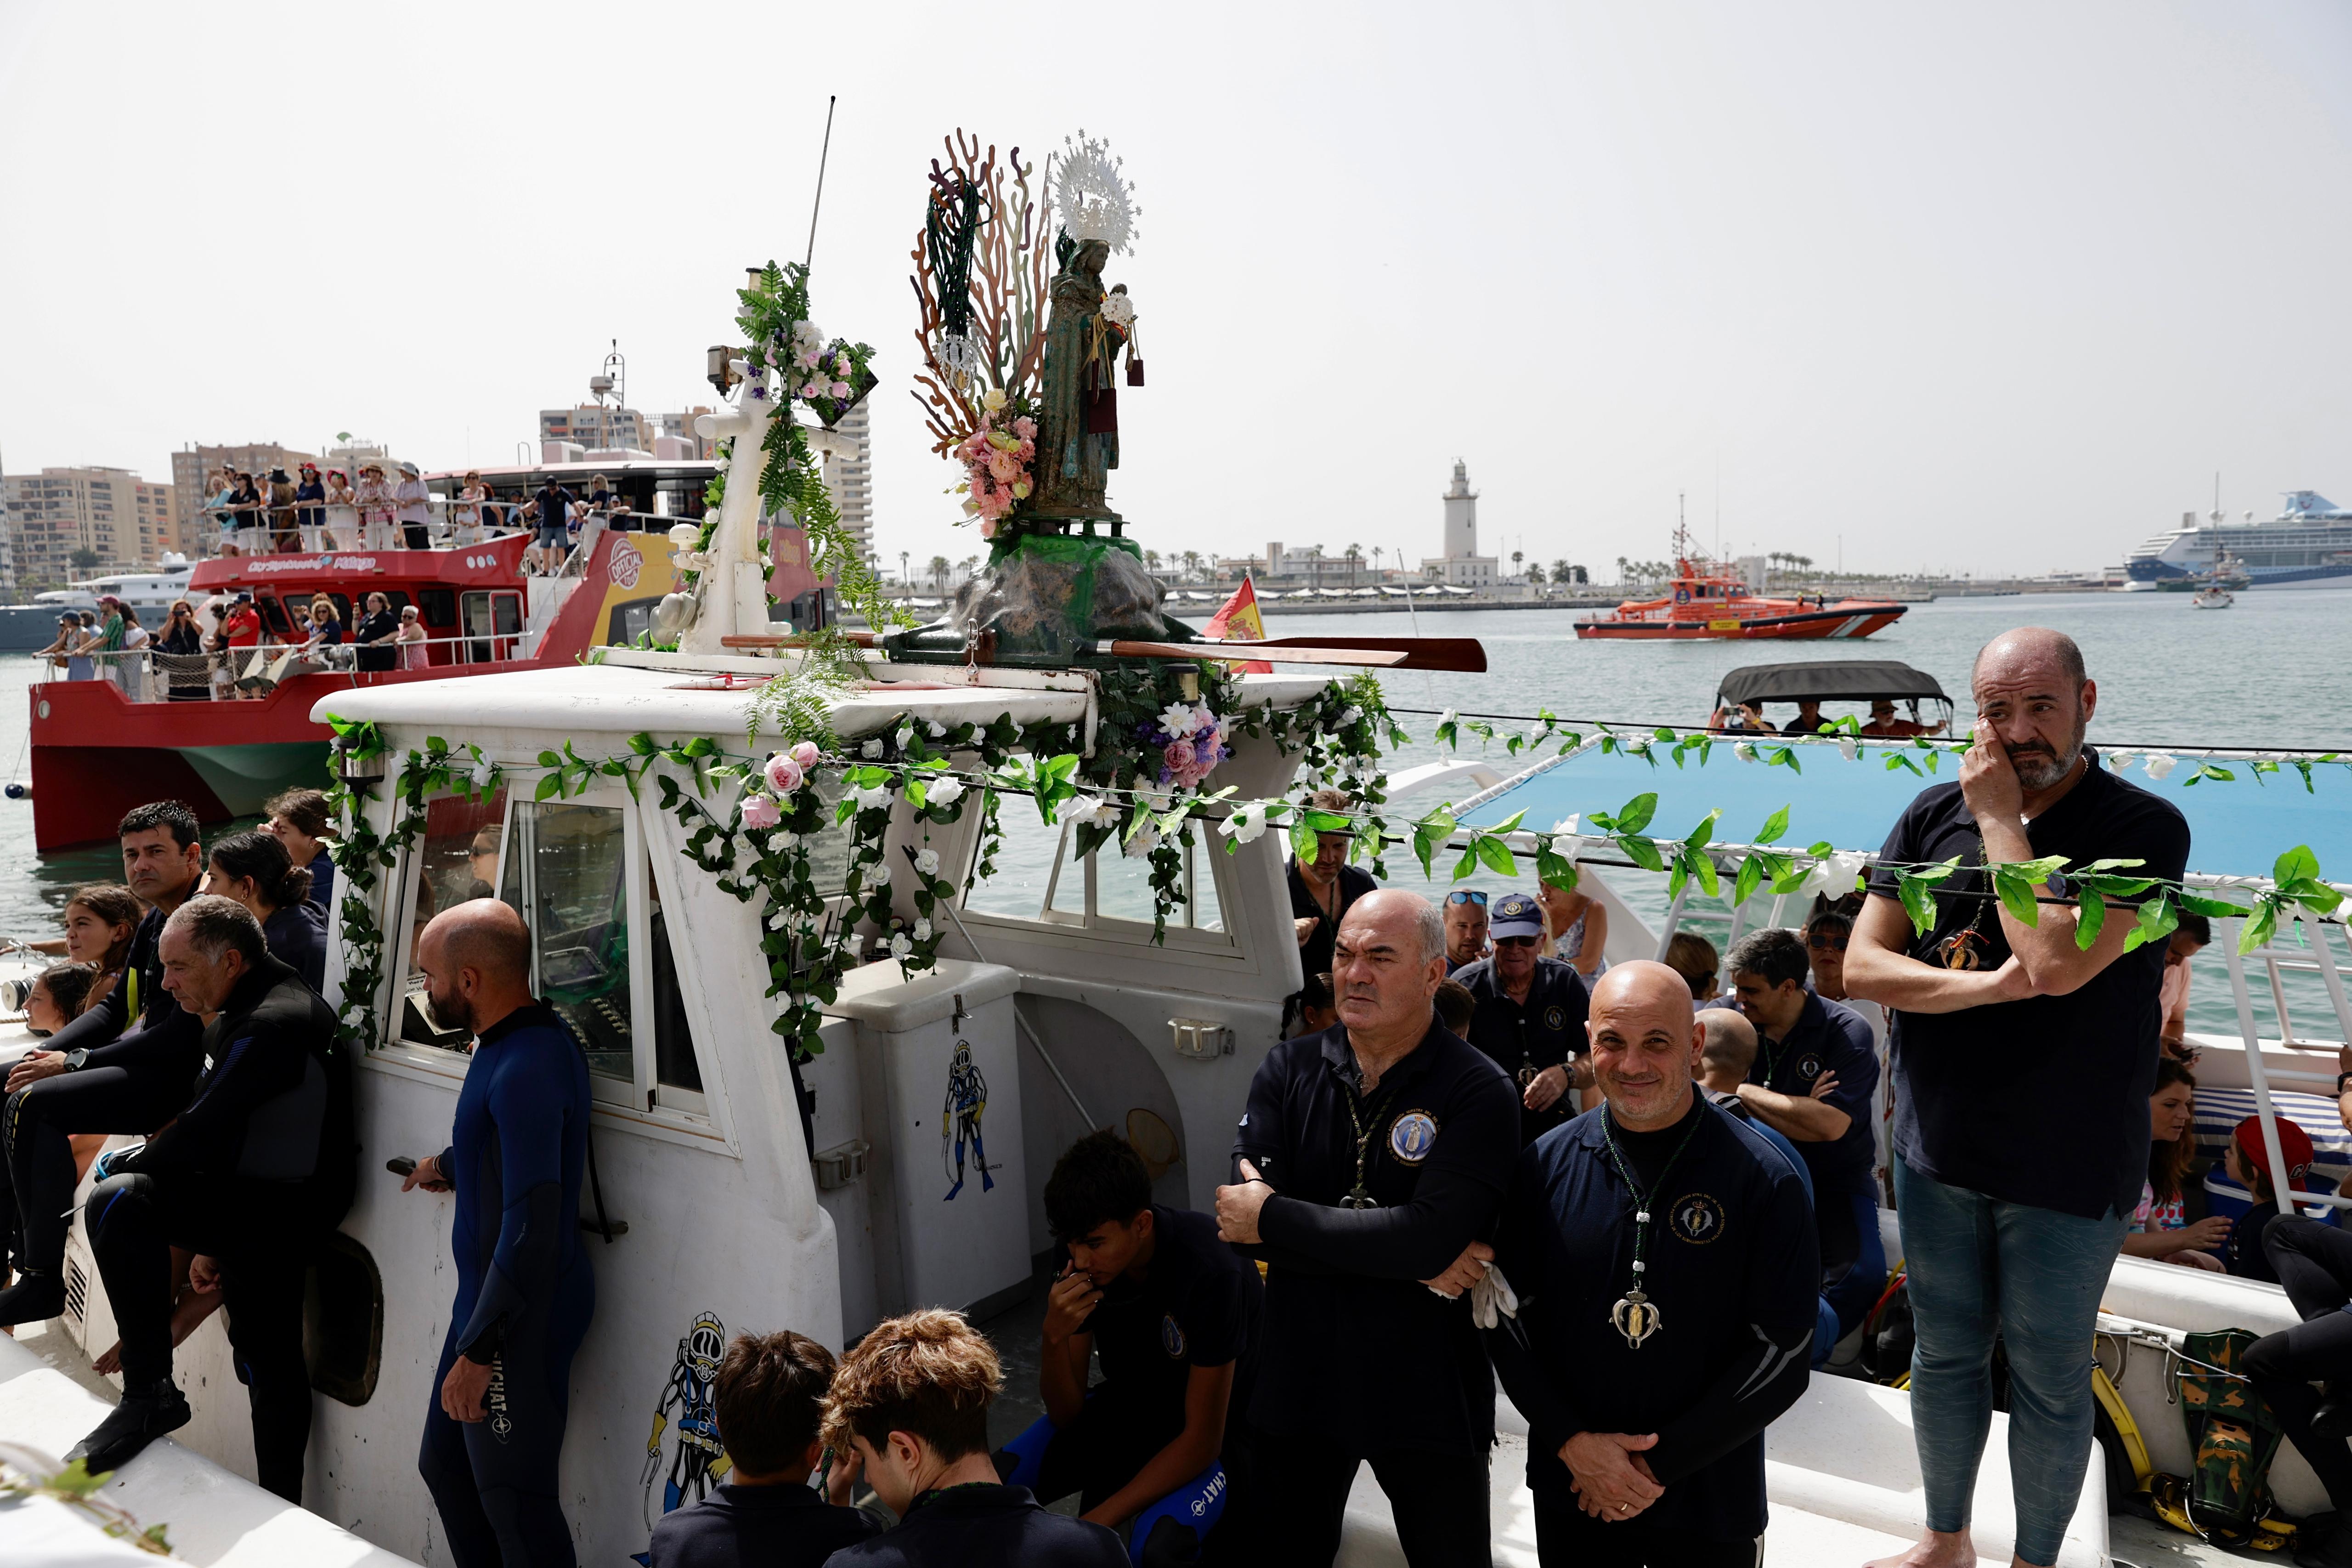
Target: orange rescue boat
{"points": [[1706, 600]]}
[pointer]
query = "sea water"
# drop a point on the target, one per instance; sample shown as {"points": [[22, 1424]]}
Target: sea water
{"points": [[2267, 672]]}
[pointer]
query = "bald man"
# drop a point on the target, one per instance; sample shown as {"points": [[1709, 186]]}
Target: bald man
{"points": [[1369, 1168], [1668, 1286], [2021, 1062], [524, 1291]]}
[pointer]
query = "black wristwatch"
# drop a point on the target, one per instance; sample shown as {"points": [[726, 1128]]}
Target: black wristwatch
{"points": [[75, 1057]]}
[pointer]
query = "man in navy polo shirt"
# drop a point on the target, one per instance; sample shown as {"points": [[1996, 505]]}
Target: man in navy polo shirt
{"points": [[2022, 1065], [1370, 1164], [1529, 1016], [1814, 1081], [1664, 1267]]}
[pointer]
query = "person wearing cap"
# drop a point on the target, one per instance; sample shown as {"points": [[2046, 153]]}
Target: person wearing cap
{"points": [[1529, 1016], [2022, 1061], [1666, 1307], [415, 513], [1814, 1079], [1371, 1163], [1466, 928], [2247, 1159], [311, 519]]}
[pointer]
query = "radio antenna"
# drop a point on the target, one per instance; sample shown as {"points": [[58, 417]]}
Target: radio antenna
{"points": [[825, 153]]}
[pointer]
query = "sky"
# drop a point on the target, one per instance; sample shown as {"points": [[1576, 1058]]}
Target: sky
{"points": [[1995, 288]]}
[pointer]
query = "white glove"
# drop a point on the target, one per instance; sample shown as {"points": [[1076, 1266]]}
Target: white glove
{"points": [[1492, 1299]]}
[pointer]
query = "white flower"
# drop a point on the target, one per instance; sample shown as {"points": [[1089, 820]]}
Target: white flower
{"points": [[872, 799], [1180, 719], [784, 841], [1350, 717], [936, 729], [922, 930], [1446, 717], [1743, 751], [872, 749], [943, 791], [2120, 762], [906, 733], [1143, 843], [899, 946], [1090, 809], [1153, 798], [927, 861], [878, 874], [1244, 825], [483, 773], [993, 399], [1835, 875], [1567, 823], [1851, 747], [2159, 765], [685, 535], [777, 917]]}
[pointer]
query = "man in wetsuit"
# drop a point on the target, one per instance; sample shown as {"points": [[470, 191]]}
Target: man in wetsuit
{"points": [[1663, 1263], [524, 1291], [1529, 1016], [235, 1179], [1815, 1080], [1370, 1165], [93, 1076], [1172, 1311]]}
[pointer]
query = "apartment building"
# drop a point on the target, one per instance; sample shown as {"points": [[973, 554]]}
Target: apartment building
{"points": [[109, 517]]}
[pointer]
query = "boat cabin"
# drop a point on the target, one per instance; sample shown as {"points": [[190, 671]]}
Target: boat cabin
{"points": [[1744, 694]]}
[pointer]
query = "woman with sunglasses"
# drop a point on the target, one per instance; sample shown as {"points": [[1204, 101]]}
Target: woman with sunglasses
{"points": [[183, 639]]}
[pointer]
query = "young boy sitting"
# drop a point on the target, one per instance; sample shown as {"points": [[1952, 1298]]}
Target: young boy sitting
{"points": [[770, 1392], [912, 1402], [1174, 1314]]}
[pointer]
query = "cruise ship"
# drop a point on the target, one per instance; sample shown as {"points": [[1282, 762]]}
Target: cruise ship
{"points": [[2307, 545]]}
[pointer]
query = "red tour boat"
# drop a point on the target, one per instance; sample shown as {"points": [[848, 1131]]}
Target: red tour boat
{"points": [[1706, 600]]}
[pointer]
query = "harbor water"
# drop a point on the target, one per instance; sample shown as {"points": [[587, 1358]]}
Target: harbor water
{"points": [[2264, 673]]}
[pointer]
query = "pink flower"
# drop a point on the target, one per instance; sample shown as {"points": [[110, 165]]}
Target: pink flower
{"points": [[1025, 428], [759, 811], [809, 358], [812, 389], [841, 365], [1004, 466], [988, 528], [1025, 451], [1178, 755], [841, 389], [784, 774], [805, 754]]}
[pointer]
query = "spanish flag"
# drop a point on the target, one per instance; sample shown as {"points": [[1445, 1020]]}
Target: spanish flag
{"points": [[1238, 621]]}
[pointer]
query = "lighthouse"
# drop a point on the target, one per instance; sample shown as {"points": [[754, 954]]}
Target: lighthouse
{"points": [[1461, 566]]}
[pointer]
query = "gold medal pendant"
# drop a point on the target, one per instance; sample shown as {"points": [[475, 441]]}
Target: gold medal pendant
{"points": [[1635, 1317]]}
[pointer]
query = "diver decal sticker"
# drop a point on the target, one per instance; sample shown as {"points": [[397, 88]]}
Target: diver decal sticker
{"points": [[698, 1462], [967, 1102]]}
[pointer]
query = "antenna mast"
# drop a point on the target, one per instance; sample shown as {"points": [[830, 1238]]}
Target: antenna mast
{"points": [[823, 154]]}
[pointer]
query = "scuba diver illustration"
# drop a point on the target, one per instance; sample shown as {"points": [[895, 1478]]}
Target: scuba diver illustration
{"points": [[967, 1101], [700, 1461]]}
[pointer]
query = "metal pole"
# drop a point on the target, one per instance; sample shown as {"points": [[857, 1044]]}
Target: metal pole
{"points": [[2254, 1075], [1673, 919], [821, 157], [2314, 931]]}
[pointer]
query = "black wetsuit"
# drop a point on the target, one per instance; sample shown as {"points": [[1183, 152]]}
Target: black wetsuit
{"points": [[234, 1178], [1731, 1268], [981, 1526], [780, 1526], [524, 1293], [1360, 1362], [2314, 1262], [131, 1082]]}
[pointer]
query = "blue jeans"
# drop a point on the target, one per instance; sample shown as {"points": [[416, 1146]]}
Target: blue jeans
{"points": [[1979, 1268]]}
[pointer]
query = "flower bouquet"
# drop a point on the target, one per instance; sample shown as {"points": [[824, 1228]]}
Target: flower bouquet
{"points": [[997, 457], [1189, 741]]}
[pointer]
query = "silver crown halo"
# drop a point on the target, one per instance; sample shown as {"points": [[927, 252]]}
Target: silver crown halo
{"points": [[1096, 200]]}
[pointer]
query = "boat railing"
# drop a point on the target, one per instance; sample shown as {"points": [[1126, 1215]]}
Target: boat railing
{"points": [[148, 675]]}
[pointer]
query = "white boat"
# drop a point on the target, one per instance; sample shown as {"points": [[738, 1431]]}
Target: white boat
{"points": [[2307, 545], [2212, 597], [148, 593]]}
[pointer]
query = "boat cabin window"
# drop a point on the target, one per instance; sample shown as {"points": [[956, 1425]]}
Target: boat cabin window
{"points": [[456, 859], [273, 615], [493, 620], [1040, 876], [674, 1068], [567, 873], [440, 606]]}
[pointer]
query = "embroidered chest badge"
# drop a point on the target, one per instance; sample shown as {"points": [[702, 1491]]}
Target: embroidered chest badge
{"points": [[1696, 1218], [1172, 1337], [1412, 1136]]}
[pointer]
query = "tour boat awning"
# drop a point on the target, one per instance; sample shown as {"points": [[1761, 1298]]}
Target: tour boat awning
{"points": [[2238, 827]]}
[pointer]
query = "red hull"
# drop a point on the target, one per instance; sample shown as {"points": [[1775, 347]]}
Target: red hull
{"points": [[96, 754], [1854, 618]]}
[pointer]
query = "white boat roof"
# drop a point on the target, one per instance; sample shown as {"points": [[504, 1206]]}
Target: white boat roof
{"points": [[676, 697]]}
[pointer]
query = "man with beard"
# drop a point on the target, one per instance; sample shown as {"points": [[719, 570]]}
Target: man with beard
{"points": [[2023, 1066], [127, 1065], [524, 1289]]}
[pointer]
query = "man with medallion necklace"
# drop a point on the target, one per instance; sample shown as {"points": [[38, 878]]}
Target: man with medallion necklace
{"points": [[1370, 1165], [2022, 1063], [1667, 1276]]}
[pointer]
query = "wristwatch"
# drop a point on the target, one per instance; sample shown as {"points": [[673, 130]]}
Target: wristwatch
{"points": [[73, 1058]]}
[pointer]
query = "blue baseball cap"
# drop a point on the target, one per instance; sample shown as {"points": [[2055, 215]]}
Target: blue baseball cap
{"points": [[1515, 914]]}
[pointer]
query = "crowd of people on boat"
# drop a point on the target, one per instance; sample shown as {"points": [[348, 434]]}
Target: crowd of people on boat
{"points": [[1749, 718], [389, 506], [221, 648], [1642, 1197]]}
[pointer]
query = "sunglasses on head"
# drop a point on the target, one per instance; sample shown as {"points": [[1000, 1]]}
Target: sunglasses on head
{"points": [[1825, 941], [1467, 895]]}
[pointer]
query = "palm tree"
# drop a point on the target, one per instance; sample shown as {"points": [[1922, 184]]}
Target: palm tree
{"points": [[1355, 559], [1560, 573], [1192, 565], [1517, 557], [1152, 561], [1535, 574], [968, 565], [939, 572]]}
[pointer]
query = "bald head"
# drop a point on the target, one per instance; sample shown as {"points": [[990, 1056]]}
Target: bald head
{"points": [[2032, 648], [2032, 693], [476, 961], [1729, 1050], [1644, 1052]]}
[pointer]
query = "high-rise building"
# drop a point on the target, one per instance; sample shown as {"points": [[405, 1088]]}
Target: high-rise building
{"points": [[677, 440], [1461, 565], [111, 517], [192, 532], [7, 544], [853, 478], [597, 428]]}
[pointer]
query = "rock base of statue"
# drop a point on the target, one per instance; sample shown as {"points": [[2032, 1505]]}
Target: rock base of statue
{"points": [[1043, 602]]}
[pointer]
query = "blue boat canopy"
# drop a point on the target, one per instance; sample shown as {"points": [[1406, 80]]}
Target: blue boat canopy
{"points": [[2238, 827]]}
